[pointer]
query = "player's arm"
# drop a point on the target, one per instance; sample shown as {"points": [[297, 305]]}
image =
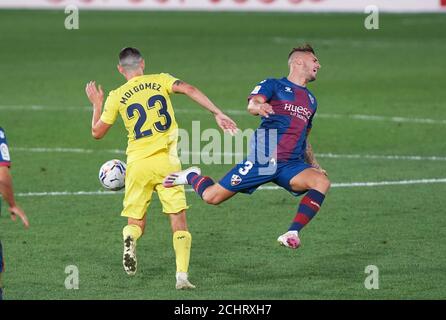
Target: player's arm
{"points": [[96, 97], [223, 121], [310, 157], [7, 192], [258, 106]]}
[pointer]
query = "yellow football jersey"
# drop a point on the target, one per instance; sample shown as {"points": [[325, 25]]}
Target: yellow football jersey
{"points": [[145, 107]]}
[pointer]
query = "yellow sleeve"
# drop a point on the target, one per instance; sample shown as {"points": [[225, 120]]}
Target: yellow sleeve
{"points": [[111, 109], [169, 80]]}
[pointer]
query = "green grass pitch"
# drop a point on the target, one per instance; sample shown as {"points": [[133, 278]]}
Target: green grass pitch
{"points": [[396, 71]]}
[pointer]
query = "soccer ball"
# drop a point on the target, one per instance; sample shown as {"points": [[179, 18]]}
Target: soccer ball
{"points": [[112, 175]]}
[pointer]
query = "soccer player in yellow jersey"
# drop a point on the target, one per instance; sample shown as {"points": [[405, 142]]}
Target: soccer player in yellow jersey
{"points": [[145, 107]]}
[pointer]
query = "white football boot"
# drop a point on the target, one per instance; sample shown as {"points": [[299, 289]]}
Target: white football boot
{"points": [[183, 282], [180, 177], [129, 256], [290, 239]]}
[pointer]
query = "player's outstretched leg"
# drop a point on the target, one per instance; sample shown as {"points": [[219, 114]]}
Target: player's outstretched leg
{"points": [[190, 176], [131, 234], [211, 192], [180, 178], [1, 269]]}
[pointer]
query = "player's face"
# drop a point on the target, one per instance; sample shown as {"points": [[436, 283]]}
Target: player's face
{"points": [[312, 66]]}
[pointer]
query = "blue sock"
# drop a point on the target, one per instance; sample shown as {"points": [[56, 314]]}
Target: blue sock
{"points": [[308, 207], [199, 183]]}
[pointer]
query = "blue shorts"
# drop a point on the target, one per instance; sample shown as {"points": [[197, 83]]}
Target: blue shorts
{"points": [[247, 176], [5, 159]]}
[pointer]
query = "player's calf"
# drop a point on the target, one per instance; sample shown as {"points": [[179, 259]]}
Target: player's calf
{"points": [[216, 194], [317, 185], [308, 207]]}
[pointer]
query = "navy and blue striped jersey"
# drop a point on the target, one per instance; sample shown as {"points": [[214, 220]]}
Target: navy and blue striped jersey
{"points": [[284, 133], [5, 159]]}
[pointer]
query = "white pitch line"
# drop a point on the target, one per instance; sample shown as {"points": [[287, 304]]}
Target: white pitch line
{"points": [[66, 150], [69, 193], [387, 183], [236, 154], [333, 185], [383, 118], [381, 157], [44, 108], [243, 112]]}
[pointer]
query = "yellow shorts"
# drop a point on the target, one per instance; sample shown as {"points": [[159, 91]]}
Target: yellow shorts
{"points": [[146, 175]]}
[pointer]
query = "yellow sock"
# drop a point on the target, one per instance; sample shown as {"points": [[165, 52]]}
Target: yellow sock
{"points": [[182, 241], [132, 230]]}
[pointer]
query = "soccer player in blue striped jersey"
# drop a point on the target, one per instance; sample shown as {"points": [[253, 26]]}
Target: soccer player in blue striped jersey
{"points": [[280, 151], [7, 193]]}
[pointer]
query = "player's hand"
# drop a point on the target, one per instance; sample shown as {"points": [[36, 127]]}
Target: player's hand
{"points": [[226, 123], [265, 109], [17, 211], [95, 95]]}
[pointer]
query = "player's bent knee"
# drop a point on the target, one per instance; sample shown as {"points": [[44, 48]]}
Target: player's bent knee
{"points": [[319, 182], [178, 221], [322, 183]]}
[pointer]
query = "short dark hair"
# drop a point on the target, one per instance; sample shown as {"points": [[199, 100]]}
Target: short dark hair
{"points": [[303, 48], [128, 56]]}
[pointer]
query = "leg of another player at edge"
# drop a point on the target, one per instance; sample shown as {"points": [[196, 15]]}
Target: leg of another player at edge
{"points": [[317, 185], [182, 242], [1, 287], [208, 190], [1, 266]]}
